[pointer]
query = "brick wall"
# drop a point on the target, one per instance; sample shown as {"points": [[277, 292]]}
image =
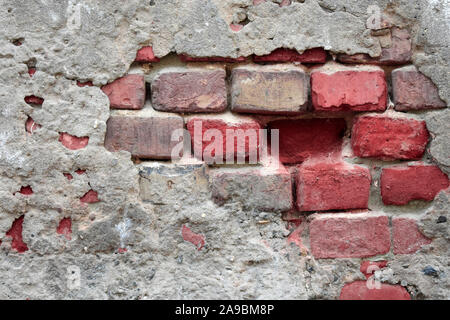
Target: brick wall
{"points": [[350, 133]]}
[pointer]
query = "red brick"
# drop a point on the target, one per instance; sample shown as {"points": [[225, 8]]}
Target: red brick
{"points": [[332, 186], [127, 92], [414, 91], [16, 234], [349, 90], [197, 240], [27, 190], [192, 90], [249, 128], [307, 138], [358, 290], [85, 84], [186, 58], [350, 235], [34, 100], [31, 126], [407, 237], [146, 54], [72, 142], [255, 188], [65, 228], [389, 138], [143, 137], [368, 268], [316, 55], [400, 51], [90, 197], [31, 71], [400, 185], [273, 89]]}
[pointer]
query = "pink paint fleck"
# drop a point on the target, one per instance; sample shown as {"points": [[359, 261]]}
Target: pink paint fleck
{"points": [[72, 142], [65, 228], [122, 250], [16, 234], [197, 240], [296, 236], [80, 172], [90, 197]]}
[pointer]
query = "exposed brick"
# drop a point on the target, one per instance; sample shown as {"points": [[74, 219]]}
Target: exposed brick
{"points": [[146, 54], [90, 197], [398, 53], [277, 89], [197, 240], [85, 84], [143, 137], [332, 186], [34, 100], [368, 268], [400, 185], [72, 142], [414, 91], [306, 138], [350, 235], [31, 126], [127, 92], [260, 189], [389, 138], [31, 71], [348, 90], [245, 130], [65, 228], [407, 237], [192, 90], [27, 191], [16, 234], [316, 55], [358, 290], [186, 58]]}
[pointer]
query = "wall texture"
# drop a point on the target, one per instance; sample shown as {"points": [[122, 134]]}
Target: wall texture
{"points": [[92, 207]]}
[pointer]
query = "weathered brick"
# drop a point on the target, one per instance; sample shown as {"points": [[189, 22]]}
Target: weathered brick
{"points": [[190, 90], [16, 234], [350, 235], [65, 228], [244, 130], [316, 55], [73, 142], [407, 237], [277, 89], [389, 138], [332, 186], [414, 91], [307, 138], [399, 52], [358, 290], [400, 185], [261, 189], [127, 92], [368, 268], [348, 90], [145, 54], [90, 197], [144, 137], [31, 126]]}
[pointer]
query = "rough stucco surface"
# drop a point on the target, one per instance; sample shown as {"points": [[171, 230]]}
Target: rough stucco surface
{"points": [[247, 254]]}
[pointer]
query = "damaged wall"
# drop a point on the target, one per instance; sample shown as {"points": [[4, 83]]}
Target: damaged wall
{"points": [[88, 210]]}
